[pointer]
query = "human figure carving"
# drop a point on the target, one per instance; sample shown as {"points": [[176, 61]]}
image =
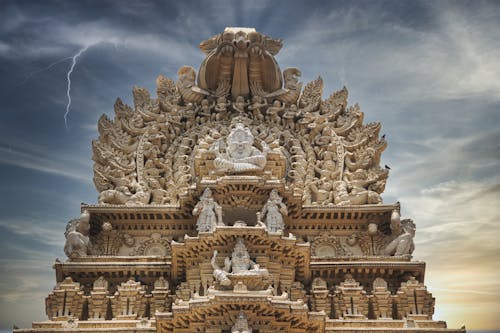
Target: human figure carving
{"points": [[289, 116], [77, 237], [402, 244], [239, 264], [241, 324], [256, 107], [204, 110], [209, 212], [220, 109], [239, 105], [273, 212], [274, 110], [240, 156]]}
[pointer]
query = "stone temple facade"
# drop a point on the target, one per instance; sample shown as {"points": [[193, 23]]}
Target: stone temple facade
{"points": [[239, 200]]}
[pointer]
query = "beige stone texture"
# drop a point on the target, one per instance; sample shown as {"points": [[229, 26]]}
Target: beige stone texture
{"points": [[239, 200]]}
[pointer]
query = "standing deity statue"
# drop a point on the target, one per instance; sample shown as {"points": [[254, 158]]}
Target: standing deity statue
{"points": [[77, 237], [241, 324], [273, 212], [240, 156], [209, 212]]}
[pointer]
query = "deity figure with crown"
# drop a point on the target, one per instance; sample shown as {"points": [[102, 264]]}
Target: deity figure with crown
{"points": [[238, 155]]}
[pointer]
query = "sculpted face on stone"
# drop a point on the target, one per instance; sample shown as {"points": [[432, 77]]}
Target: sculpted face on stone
{"points": [[241, 155]]}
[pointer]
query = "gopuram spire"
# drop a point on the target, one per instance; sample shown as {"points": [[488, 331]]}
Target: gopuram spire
{"points": [[239, 200]]}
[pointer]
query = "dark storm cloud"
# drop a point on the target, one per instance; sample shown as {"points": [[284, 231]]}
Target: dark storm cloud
{"points": [[427, 70]]}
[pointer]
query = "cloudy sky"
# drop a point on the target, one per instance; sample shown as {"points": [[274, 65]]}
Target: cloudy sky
{"points": [[429, 71]]}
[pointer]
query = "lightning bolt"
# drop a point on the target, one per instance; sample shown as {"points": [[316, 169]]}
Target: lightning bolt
{"points": [[30, 75], [68, 77]]}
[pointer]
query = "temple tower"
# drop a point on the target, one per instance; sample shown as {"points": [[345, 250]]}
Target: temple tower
{"points": [[239, 200]]}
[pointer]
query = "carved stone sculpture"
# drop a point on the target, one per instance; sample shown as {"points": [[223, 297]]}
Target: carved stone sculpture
{"points": [[280, 153], [209, 212], [241, 324], [240, 261], [240, 269], [240, 156], [402, 244], [77, 237], [273, 212], [240, 61]]}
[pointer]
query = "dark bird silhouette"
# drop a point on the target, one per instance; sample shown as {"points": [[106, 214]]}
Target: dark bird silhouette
{"points": [[387, 167], [383, 136]]}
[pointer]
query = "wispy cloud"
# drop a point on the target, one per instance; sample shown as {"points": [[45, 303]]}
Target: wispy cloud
{"points": [[44, 160]]}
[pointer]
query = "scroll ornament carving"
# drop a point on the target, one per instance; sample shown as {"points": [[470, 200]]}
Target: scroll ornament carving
{"points": [[332, 158], [156, 245], [327, 246]]}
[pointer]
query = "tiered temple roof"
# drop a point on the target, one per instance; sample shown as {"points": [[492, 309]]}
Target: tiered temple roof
{"points": [[239, 200]]}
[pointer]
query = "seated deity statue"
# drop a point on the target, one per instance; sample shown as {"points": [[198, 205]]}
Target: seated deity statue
{"points": [[77, 237], [209, 212], [239, 265], [240, 259], [402, 244], [240, 156], [273, 212], [241, 324]]}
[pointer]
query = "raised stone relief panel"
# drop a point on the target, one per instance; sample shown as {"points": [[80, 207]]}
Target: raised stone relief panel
{"points": [[156, 245], [277, 130]]}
